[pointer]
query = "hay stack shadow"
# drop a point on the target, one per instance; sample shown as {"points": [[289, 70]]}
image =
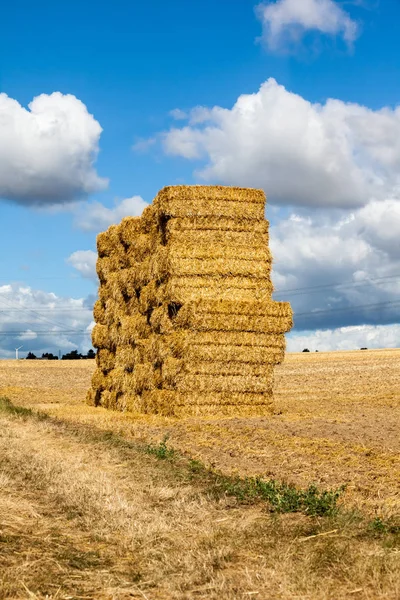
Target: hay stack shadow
{"points": [[185, 321]]}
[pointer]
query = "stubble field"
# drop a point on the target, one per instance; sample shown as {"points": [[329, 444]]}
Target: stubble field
{"points": [[94, 505]]}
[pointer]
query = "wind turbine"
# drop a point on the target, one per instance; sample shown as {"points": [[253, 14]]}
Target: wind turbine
{"points": [[16, 352]]}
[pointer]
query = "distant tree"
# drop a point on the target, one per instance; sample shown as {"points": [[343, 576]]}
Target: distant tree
{"points": [[364, 348], [306, 350], [49, 356], [31, 356], [91, 353], [73, 355]]}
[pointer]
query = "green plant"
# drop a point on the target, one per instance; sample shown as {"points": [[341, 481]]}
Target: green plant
{"points": [[6, 406], [160, 450]]}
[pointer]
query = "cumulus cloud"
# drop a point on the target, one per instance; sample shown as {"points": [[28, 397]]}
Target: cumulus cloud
{"points": [[178, 114], [329, 155], [285, 22], [84, 261], [95, 216], [339, 270], [47, 153], [346, 338], [43, 321], [143, 145]]}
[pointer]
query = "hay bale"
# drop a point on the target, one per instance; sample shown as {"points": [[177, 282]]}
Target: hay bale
{"points": [[100, 336], [185, 194], [185, 322], [189, 289], [99, 312], [129, 229], [132, 330], [189, 382], [213, 223], [105, 360], [126, 358], [108, 241], [174, 404]]}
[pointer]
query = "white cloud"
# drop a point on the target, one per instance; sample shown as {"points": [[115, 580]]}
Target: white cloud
{"points": [[285, 22], [339, 270], [84, 261], [47, 153], [346, 338], [143, 145], [95, 216], [331, 155], [44, 321], [178, 114], [28, 335]]}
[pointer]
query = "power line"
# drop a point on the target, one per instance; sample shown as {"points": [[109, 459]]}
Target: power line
{"points": [[354, 284], [376, 306]]}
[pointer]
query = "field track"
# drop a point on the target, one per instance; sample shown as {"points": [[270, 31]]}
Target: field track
{"points": [[83, 518]]}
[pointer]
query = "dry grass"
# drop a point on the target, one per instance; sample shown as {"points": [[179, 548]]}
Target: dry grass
{"points": [[82, 516]]}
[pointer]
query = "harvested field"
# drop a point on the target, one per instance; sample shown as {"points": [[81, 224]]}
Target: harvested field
{"points": [[84, 514]]}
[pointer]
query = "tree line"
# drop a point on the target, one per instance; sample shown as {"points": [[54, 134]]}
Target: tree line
{"points": [[73, 355]]}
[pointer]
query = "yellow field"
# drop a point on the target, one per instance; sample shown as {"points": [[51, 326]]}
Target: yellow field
{"points": [[137, 529]]}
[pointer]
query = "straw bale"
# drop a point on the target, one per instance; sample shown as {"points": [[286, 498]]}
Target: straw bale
{"points": [[100, 380], [112, 312], [112, 290], [173, 367], [181, 342], [93, 397], [261, 355], [132, 329], [165, 264], [222, 250], [144, 377], [242, 323], [140, 249], [126, 357], [99, 312], [108, 241], [100, 336], [148, 297], [205, 207], [190, 382], [105, 359], [132, 402], [215, 238], [109, 399], [214, 223], [103, 268], [129, 229], [188, 289], [160, 321], [200, 193], [132, 306], [149, 218], [269, 308], [116, 379], [127, 282], [170, 403]]}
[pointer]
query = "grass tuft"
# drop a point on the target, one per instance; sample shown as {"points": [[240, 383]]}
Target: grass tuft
{"points": [[6, 406], [160, 450], [281, 497]]}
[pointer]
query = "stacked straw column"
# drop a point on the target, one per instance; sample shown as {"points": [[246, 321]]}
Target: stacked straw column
{"points": [[185, 321]]}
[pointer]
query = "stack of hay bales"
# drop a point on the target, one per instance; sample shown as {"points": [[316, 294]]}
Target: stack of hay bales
{"points": [[185, 322]]}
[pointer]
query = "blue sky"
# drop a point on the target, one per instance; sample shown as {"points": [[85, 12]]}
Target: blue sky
{"points": [[130, 64]]}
